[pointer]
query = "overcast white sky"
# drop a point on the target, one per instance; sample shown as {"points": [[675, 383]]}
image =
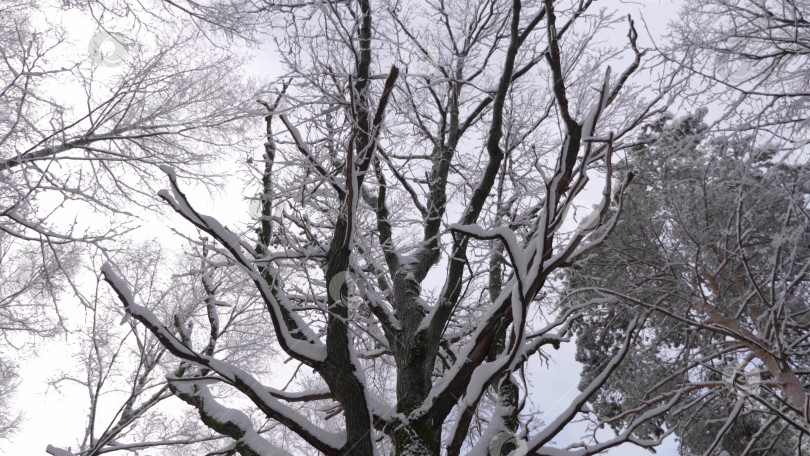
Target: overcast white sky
{"points": [[58, 417]]}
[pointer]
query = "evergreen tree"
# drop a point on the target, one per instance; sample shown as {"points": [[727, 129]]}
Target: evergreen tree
{"points": [[712, 253]]}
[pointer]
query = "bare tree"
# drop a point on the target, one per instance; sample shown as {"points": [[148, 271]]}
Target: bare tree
{"points": [[122, 367], [31, 276], [80, 134], [751, 59], [480, 128]]}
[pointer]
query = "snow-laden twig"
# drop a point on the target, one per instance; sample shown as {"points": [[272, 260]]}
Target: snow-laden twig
{"points": [[553, 428], [310, 350], [228, 421], [244, 382], [52, 450]]}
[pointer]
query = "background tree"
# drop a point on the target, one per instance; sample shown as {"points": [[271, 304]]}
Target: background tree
{"points": [[80, 134], [750, 59], [123, 368], [713, 252]]}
